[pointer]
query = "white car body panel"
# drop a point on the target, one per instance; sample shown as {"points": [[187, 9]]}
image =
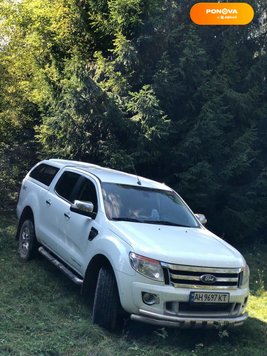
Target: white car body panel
{"points": [[179, 245]]}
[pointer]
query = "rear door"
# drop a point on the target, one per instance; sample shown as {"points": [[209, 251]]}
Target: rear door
{"points": [[56, 211]]}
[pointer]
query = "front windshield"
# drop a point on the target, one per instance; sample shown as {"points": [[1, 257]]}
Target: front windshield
{"points": [[146, 205]]}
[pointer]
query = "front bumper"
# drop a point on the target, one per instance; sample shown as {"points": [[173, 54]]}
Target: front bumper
{"points": [[175, 321], [173, 307]]}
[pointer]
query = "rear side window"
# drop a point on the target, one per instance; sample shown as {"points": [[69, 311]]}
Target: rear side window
{"points": [[66, 184], [44, 173]]}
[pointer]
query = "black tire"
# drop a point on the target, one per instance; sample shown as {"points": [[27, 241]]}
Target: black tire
{"points": [[106, 308], [28, 244]]}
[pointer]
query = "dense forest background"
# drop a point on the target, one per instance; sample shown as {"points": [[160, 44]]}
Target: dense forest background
{"points": [[135, 85]]}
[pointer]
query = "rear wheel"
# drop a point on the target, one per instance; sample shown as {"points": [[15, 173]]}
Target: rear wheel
{"points": [[106, 308], [27, 240]]}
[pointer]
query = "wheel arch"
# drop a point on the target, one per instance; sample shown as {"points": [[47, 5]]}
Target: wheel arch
{"points": [[26, 214], [91, 275]]}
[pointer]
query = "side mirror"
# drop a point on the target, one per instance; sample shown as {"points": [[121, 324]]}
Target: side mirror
{"points": [[84, 208], [201, 218]]}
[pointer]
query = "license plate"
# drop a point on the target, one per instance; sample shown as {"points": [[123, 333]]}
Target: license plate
{"points": [[205, 297]]}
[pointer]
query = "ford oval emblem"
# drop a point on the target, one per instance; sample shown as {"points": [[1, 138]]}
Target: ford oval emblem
{"points": [[208, 278]]}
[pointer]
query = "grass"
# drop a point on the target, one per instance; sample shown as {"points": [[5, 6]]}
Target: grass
{"points": [[42, 313]]}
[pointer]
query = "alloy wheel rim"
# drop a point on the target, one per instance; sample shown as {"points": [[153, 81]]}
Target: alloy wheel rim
{"points": [[25, 240]]}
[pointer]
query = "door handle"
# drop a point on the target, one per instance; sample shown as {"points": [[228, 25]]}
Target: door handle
{"points": [[48, 202], [67, 215]]}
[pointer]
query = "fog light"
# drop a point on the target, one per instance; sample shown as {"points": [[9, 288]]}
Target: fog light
{"points": [[149, 298]]}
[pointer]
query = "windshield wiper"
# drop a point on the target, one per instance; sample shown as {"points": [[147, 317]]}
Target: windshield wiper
{"points": [[163, 222], [127, 219], [160, 222]]}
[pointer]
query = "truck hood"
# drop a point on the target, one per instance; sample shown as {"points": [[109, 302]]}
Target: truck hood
{"points": [[178, 245]]}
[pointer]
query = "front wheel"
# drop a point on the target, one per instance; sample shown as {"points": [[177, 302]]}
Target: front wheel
{"points": [[106, 308], [27, 240]]}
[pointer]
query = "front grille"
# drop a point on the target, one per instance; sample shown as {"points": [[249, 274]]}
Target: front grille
{"points": [[181, 276]]}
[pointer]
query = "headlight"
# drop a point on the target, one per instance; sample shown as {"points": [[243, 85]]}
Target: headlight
{"points": [[147, 267], [244, 276]]}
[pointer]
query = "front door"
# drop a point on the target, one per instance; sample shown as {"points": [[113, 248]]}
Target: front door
{"points": [[78, 227]]}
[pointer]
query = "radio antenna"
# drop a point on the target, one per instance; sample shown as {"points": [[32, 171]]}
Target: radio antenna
{"points": [[138, 180]]}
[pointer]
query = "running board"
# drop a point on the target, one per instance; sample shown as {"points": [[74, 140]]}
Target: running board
{"points": [[60, 266]]}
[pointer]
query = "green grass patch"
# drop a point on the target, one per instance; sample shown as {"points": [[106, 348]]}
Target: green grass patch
{"points": [[42, 313]]}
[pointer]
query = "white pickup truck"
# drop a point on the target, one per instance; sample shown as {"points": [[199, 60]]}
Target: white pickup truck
{"points": [[132, 244]]}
